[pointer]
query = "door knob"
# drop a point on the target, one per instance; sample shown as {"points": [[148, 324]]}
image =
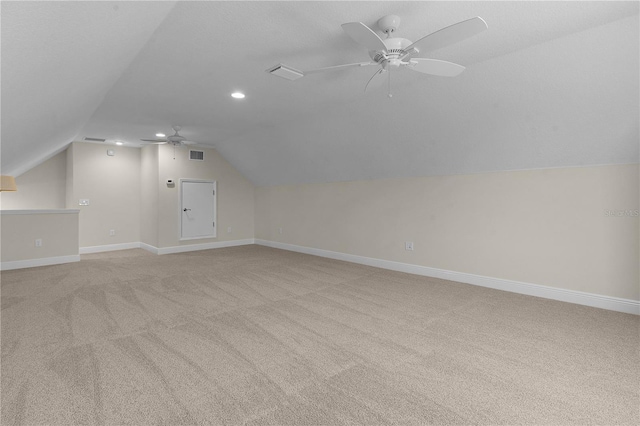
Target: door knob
{"points": [[186, 210]]}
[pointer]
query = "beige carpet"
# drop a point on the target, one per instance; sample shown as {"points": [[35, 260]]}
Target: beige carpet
{"points": [[253, 335]]}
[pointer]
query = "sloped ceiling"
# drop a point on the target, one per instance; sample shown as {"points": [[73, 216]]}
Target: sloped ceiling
{"points": [[59, 60], [550, 84]]}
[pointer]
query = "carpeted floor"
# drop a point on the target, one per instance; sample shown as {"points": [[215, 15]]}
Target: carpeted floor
{"points": [[254, 335]]}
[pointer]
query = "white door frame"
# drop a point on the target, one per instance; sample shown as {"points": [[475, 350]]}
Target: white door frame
{"points": [[215, 209]]}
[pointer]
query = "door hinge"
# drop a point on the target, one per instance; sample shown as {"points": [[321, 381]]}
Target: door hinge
{"points": [[214, 224], [214, 192]]}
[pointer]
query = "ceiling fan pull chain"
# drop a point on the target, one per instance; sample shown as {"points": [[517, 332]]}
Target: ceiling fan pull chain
{"points": [[389, 82]]}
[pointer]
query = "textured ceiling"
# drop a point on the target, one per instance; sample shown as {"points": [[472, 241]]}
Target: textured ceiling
{"points": [[549, 84]]}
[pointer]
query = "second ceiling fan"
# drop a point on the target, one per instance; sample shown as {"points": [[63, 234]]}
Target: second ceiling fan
{"points": [[176, 139], [395, 52]]}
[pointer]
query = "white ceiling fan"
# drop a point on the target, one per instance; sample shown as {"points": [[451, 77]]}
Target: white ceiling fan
{"points": [[395, 52], [175, 139]]}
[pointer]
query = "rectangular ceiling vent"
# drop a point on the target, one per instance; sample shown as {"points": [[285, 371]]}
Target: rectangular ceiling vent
{"points": [[285, 72], [94, 139], [196, 155]]}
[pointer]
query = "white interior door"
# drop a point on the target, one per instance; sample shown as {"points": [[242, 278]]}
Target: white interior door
{"points": [[198, 209]]}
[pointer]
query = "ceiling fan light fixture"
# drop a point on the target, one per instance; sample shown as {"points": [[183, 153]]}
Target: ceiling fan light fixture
{"points": [[160, 135], [237, 95]]}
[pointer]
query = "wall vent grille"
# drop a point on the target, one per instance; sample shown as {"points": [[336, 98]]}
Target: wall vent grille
{"points": [[94, 139], [196, 155]]}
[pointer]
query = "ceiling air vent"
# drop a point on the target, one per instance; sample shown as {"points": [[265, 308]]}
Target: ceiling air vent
{"points": [[196, 155], [285, 72], [94, 139]]}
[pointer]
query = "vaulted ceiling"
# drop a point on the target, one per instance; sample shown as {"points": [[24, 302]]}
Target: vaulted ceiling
{"points": [[549, 84]]}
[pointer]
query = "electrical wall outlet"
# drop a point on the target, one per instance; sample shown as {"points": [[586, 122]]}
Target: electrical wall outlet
{"points": [[280, 230], [112, 232], [83, 202], [228, 230], [39, 242], [408, 245]]}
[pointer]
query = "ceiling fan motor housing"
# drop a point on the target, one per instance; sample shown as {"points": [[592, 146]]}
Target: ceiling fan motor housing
{"points": [[395, 48], [176, 139]]}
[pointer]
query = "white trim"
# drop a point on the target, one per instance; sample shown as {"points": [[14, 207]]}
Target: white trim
{"points": [[31, 263], [49, 211], [572, 296], [109, 247], [203, 237], [149, 247], [206, 246], [166, 250]]}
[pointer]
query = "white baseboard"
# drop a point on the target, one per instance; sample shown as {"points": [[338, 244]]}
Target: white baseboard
{"points": [[572, 296], [109, 247], [165, 250], [149, 247], [205, 246], [31, 263]]}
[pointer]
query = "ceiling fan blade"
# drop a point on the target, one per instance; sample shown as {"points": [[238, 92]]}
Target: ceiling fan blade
{"points": [[338, 67], [154, 140], [189, 143], [364, 35], [378, 81], [435, 67], [449, 35]]}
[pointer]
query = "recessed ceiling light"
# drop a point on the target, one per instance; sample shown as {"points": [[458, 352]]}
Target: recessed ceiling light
{"points": [[160, 135], [237, 95], [119, 143]]}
